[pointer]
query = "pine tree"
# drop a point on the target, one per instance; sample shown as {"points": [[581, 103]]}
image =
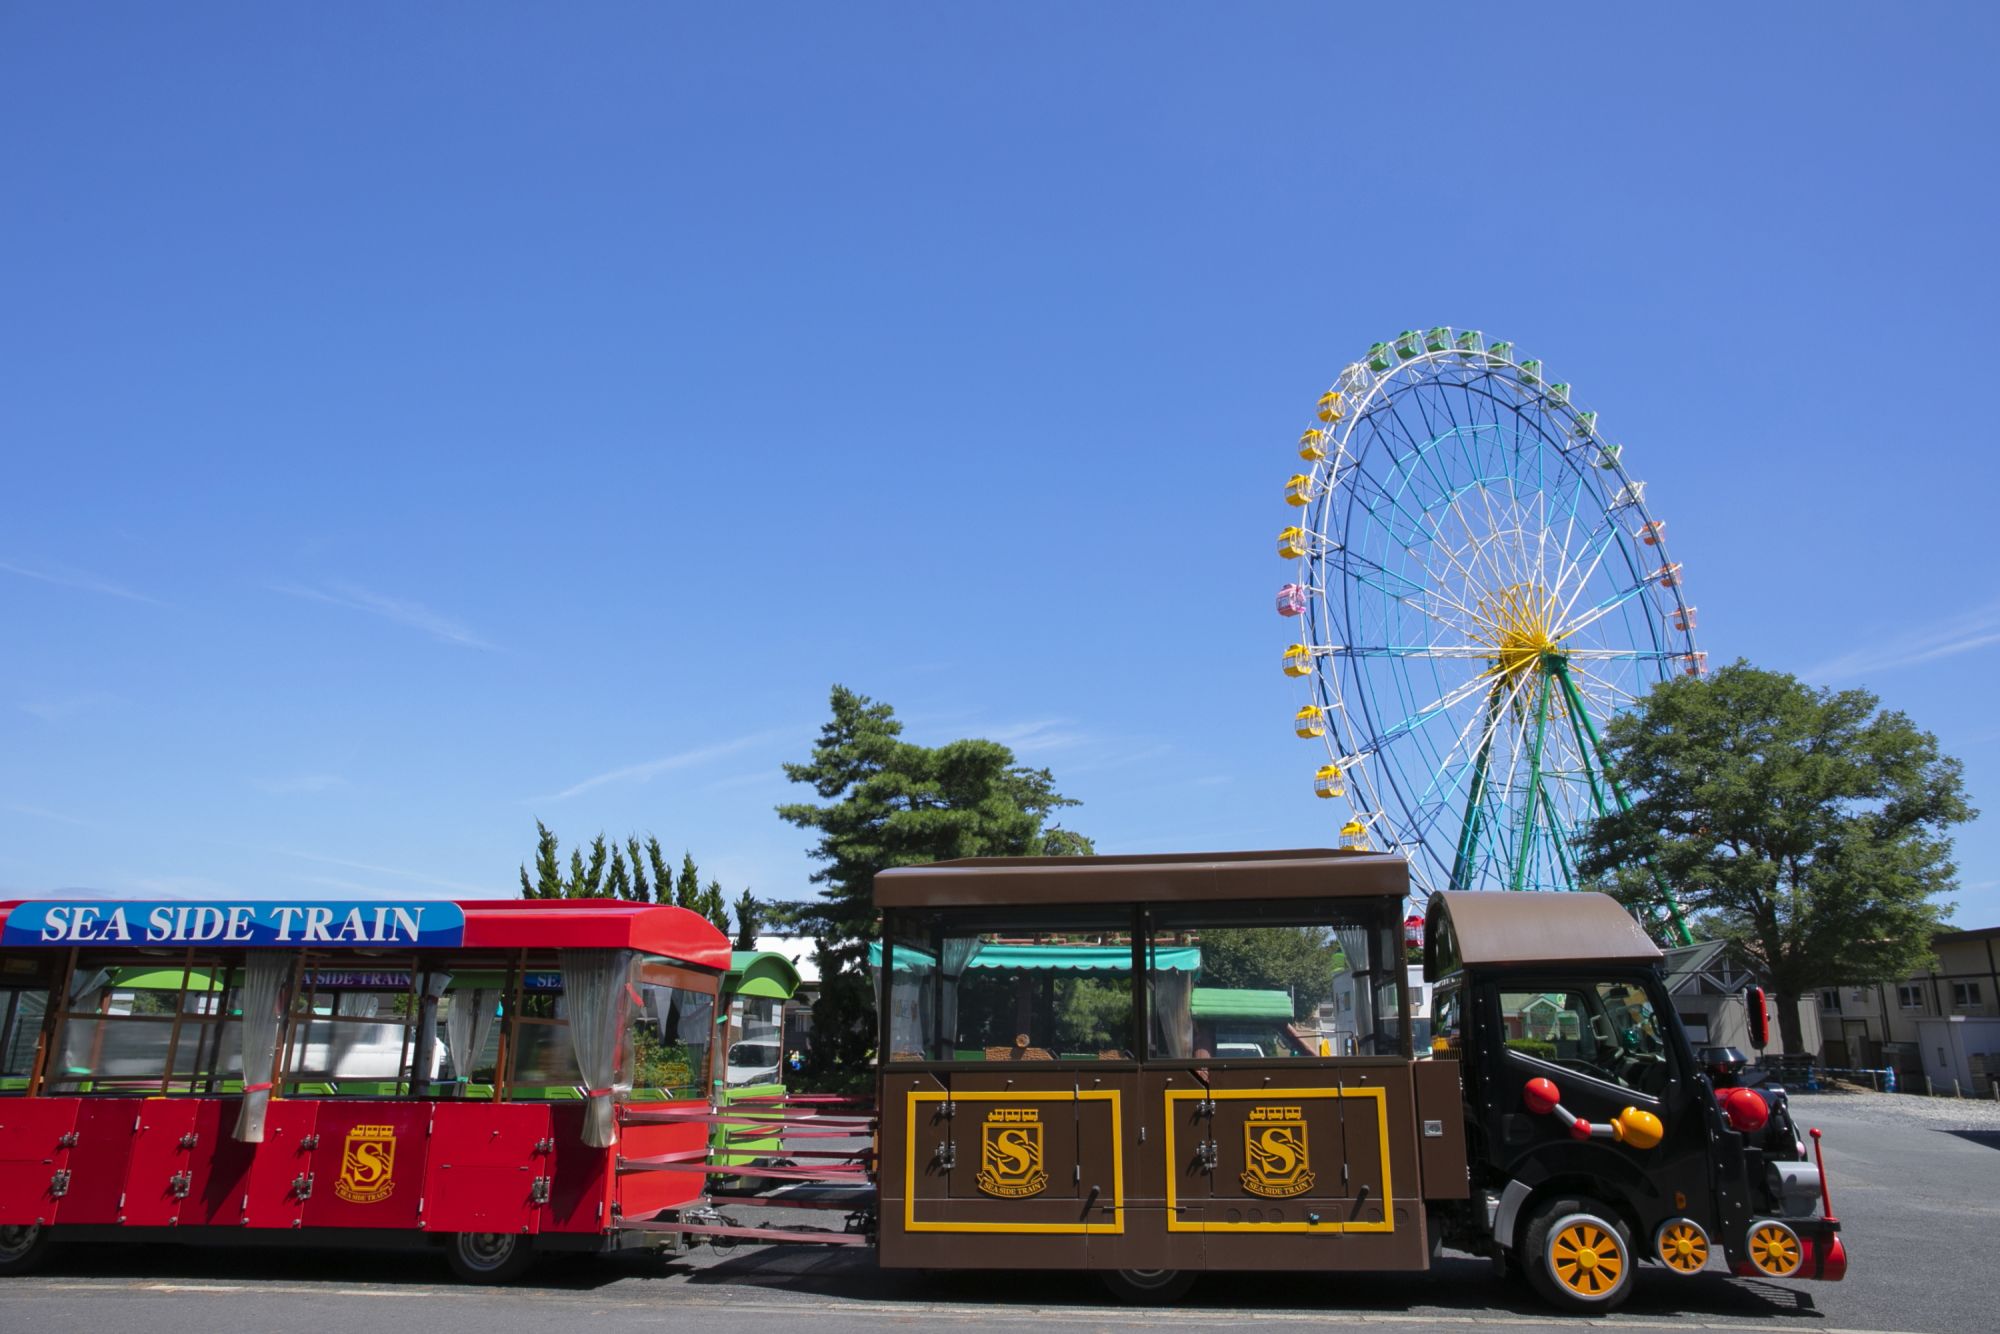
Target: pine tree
{"points": [[888, 802], [548, 881], [617, 885], [687, 889], [641, 891], [748, 917], [715, 907], [663, 878]]}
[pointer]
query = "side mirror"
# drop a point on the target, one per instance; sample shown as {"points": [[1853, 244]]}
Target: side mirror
{"points": [[1760, 1018]]}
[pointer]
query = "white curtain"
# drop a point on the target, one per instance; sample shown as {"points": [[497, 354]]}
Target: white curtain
{"points": [[596, 984], [1361, 966], [1173, 1011], [467, 1024], [265, 973], [958, 954]]}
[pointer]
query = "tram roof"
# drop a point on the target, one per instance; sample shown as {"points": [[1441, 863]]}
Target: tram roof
{"points": [[1497, 928], [1179, 877], [490, 924]]}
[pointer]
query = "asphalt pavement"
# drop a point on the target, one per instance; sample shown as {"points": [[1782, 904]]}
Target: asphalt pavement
{"points": [[1917, 1186]]}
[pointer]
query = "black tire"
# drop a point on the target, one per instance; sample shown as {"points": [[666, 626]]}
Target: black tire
{"points": [[1578, 1256], [1148, 1287], [23, 1248], [489, 1257]]}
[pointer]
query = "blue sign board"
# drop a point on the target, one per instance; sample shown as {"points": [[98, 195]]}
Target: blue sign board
{"points": [[320, 924]]}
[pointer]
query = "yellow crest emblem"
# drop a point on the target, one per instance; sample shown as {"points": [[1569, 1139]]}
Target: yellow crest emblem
{"points": [[367, 1165], [1010, 1153], [1274, 1150]]}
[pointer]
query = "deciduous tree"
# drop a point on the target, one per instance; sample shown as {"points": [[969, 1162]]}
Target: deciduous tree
{"points": [[1808, 824]]}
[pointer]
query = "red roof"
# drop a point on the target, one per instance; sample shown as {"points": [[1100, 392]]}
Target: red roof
{"points": [[651, 928]]}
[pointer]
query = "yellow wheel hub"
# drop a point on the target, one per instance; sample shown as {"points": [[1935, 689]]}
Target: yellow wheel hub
{"points": [[1774, 1249], [1683, 1248], [1518, 624], [1586, 1259]]}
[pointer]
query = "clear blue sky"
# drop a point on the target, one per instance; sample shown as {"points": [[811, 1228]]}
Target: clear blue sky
{"points": [[418, 420]]}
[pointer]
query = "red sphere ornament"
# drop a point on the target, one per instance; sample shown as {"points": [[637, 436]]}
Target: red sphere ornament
{"points": [[1747, 1111], [1541, 1095], [1579, 1129]]}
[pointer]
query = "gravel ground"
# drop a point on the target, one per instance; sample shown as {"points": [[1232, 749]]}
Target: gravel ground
{"points": [[1901, 1109]]}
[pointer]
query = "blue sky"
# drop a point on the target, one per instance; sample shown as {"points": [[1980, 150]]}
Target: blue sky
{"points": [[423, 420]]}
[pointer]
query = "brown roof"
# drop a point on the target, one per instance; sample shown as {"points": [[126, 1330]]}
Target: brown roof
{"points": [[1494, 927], [1184, 877]]}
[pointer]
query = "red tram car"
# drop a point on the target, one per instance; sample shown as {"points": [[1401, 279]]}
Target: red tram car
{"points": [[493, 1077]]}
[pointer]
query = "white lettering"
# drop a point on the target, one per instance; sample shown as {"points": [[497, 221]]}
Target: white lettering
{"points": [[55, 923], [288, 918], [239, 924], [317, 921], [405, 924], [160, 923], [352, 928], [208, 924], [83, 924], [117, 928]]}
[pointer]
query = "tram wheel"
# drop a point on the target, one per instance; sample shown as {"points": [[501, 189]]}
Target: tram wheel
{"points": [[1148, 1287], [1579, 1256], [489, 1257], [23, 1247]]}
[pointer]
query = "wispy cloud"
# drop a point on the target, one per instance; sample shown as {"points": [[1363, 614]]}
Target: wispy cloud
{"points": [[39, 812], [63, 576], [396, 872], [651, 769], [299, 783], [1033, 738], [400, 611], [60, 708], [1925, 643]]}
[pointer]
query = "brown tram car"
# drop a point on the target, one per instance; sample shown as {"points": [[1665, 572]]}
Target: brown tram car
{"points": [[1051, 1096]]}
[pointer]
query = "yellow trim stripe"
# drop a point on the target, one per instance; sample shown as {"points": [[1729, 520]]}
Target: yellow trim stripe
{"points": [[1117, 1223], [1381, 1097]]}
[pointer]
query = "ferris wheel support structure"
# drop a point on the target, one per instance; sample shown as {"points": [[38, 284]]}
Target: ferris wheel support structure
{"points": [[1480, 583]]}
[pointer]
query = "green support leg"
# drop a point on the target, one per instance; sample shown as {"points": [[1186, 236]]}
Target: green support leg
{"points": [[1475, 798], [1560, 670], [1534, 782]]}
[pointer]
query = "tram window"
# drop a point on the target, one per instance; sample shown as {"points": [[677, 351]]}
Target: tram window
{"points": [[21, 1011], [1607, 1030], [672, 1030], [145, 1030], [1250, 981], [352, 1041], [1055, 986], [755, 1042]]}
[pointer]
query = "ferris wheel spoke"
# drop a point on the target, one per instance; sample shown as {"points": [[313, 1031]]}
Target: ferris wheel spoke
{"points": [[1434, 539], [1425, 453], [1374, 744], [1604, 607]]}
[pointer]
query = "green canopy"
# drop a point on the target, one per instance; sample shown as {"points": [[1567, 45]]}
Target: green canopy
{"points": [[1068, 958], [1240, 1003], [760, 973]]}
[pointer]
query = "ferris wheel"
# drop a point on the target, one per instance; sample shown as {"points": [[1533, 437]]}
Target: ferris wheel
{"points": [[1480, 586]]}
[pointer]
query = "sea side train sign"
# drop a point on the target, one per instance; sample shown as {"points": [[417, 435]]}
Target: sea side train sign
{"points": [[372, 925]]}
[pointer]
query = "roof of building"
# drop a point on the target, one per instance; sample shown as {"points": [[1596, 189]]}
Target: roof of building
{"points": [[1477, 928], [1187, 877], [1240, 1003]]}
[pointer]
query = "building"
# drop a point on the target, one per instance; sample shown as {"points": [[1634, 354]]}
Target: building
{"points": [[1707, 983], [1336, 1016], [1937, 1029]]}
